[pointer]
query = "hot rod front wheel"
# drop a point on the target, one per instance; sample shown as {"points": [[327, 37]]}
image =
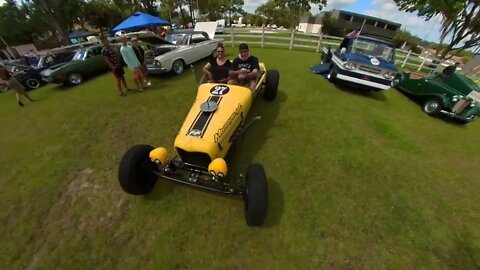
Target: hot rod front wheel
{"points": [[256, 195], [136, 173]]}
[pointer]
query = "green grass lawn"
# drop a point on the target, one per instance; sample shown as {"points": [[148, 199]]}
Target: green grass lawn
{"points": [[357, 180]]}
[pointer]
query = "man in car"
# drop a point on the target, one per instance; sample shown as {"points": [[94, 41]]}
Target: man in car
{"points": [[450, 70], [245, 69]]}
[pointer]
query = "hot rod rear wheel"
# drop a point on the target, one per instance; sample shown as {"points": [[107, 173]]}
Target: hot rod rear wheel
{"points": [[256, 195], [432, 106], [136, 174], [271, 84]]}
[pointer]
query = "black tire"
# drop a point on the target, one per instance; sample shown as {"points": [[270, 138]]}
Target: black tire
{"points": [[136, 173], [178, 66], [271, 84], [256, 195], [75, 78], [32, 83], [332, 74], [432, 106]]}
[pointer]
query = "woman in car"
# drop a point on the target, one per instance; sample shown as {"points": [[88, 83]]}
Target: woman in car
{"points": [[216, 70]]}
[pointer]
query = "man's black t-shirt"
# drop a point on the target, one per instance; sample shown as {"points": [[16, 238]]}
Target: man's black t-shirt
{"points": [[250, 63], [219, 72], [140, 53]]}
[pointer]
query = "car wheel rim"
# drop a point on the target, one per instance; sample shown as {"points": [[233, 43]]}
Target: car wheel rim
{"points": [[178, 67], [32, 83], [75, 78], [431, 107]]}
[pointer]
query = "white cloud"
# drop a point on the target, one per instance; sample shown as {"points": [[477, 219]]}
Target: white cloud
{"points": [[339, 4], [388, 10], [251, 5]]}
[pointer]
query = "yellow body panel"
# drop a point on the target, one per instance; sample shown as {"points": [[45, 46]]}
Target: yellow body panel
{"points": [[211, 132]]}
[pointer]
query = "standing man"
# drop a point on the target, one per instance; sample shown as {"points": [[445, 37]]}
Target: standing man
{"points": [[112, 57], [13, 84], [140, 53], [129, 57], [245, 69]]}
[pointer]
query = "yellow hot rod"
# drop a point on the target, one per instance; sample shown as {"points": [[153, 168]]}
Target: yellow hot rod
{"points": [[217, 118]]}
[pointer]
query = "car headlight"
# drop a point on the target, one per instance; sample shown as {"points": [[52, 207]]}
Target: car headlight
{"points": [[473, 104], [157, 63], [349, 65], [389, 75], [456, 98]]}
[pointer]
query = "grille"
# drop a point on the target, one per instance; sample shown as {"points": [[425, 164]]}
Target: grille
{"points": [[194, 158], [370, 69], [149, 59]]}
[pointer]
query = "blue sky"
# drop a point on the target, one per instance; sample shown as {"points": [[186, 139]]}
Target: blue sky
{"points": [[384, 9]]}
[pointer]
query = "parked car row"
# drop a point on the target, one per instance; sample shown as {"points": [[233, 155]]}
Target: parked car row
{"points": [[171, 54], [369, 63]]}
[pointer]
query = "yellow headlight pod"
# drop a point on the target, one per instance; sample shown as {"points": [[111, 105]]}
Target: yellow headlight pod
{"points": [[218, 167], [159, 155]]}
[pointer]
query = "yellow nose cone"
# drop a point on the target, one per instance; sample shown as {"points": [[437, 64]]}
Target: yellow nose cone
{"points": [[159, 155], [218, 167]]}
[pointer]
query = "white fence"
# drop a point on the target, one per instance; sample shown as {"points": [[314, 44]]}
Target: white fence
{"points": [[292, 40]]}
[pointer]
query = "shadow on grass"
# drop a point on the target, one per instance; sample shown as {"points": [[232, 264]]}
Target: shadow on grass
{"points": [[246, 148], [360, 91]]}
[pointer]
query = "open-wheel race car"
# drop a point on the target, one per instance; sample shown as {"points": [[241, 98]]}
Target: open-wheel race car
{"points": [[217, 118]]}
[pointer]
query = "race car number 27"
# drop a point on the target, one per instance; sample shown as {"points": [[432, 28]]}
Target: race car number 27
{"points": [[219, 90]]}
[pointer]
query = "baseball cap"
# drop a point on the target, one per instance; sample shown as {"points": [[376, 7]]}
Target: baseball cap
{"points": [[243, 46]]}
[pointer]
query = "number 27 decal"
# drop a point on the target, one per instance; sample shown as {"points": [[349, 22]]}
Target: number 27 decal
{"points": [[219, 90]]}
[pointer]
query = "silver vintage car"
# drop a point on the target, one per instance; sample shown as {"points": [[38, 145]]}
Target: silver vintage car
{"points": [[190, 46]]}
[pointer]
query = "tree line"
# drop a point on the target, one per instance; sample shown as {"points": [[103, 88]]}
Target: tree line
{"points": [[51, 20]]}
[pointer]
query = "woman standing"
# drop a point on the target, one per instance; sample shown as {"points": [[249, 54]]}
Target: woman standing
{"points": [[13, 84]]}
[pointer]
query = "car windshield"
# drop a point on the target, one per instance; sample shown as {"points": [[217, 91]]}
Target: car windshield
{"points": [[41, 62], [177, 39], [79, 55], [373, 49]]}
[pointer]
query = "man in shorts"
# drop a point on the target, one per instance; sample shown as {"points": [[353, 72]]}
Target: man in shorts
{"points": [[114, 61], [245, 69], [140, 53], [130, 58]]}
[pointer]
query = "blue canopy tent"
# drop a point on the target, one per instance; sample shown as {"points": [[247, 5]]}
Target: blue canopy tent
{"points": [[139, 20]]}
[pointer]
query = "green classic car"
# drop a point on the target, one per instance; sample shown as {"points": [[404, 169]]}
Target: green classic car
{"points": [[86, 62], [456, 95]]}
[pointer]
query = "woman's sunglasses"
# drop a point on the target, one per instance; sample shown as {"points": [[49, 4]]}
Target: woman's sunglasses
{"points": [[220, 51]]}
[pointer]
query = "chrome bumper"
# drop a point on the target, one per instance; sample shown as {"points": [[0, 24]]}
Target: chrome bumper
{"points": [[470, 118], [155, 69]]}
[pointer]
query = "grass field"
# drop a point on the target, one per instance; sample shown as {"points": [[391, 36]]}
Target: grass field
{"points": [[357, 180]]}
